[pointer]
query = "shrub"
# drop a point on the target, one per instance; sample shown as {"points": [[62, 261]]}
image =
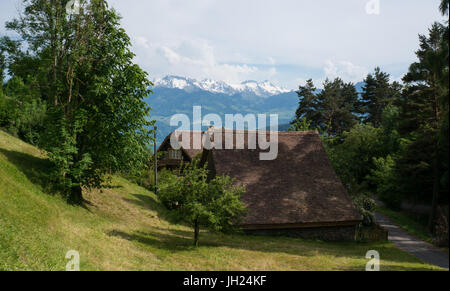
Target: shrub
{"points": [[23, 119], [352, 155], [8, 113], [366, 207], [146, 177], [385, 178], [30, 122]]}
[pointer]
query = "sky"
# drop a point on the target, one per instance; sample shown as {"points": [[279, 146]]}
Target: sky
{"points": [[283, 41]]}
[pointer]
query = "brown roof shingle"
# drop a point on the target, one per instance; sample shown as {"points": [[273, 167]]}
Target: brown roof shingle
{"points": [[298, 188]]}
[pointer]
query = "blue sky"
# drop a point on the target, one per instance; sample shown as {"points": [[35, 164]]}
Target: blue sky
{"points": [[284, 41]]}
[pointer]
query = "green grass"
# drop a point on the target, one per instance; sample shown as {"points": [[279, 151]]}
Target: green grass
{"points": [[124, 228]]}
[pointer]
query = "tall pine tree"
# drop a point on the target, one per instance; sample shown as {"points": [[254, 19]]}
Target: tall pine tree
{"points": [[423, 115], [377, 94], [337, 105], [307, 111], [332, 111]]}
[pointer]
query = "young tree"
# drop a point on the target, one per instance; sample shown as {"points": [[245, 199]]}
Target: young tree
{"points": [[97, 120], [201, 202]]}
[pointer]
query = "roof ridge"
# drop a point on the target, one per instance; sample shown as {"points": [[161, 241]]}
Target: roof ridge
{"points": [[241, 131]]}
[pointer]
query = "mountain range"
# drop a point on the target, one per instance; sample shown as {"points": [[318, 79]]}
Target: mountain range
{"points": [[174, 94], [248, 88]]}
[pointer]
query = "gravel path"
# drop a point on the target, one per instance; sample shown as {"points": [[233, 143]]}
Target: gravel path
{"points": [[418, 248]]}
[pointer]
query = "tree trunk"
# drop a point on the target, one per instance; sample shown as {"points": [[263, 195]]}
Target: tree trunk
{"points": [[196, 232], [436, 174], [76, 195], [434, 203]]}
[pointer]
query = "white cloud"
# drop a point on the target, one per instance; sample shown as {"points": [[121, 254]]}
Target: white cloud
{"points": [[283, 41], [196, 59], [142, 42], [271, 60], [172, 57], [345, 70], [235, 40]]}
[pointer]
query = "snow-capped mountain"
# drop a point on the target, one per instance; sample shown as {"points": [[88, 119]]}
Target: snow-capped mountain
{"points": [[262, 89]]}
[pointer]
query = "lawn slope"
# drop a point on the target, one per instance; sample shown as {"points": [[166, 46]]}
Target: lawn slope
{"points": [[123, 227]]}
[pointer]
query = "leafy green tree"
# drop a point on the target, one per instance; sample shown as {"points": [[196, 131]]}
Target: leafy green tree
{"points": [[392, 140], [201, 202], [377, 93], [384, 176], [97, 120], [20, 114], [352, 154], [424, 114]]}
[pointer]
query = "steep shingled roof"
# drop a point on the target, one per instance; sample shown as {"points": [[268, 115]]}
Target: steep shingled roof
{"points": [[298, 189]]}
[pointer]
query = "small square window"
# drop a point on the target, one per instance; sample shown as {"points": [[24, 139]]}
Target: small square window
{"points": [[174, 154]]}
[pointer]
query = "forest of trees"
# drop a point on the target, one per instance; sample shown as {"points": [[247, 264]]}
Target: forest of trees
{"points": [[393, 139]]}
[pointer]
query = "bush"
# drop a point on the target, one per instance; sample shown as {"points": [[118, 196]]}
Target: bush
{"points": [[30, 122], [352, 155], [366, 207], [385, 178], [23, 119], [146, 177], [8, 113]]}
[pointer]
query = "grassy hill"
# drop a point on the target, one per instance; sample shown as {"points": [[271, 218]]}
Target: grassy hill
{"points": [[123, 228]]}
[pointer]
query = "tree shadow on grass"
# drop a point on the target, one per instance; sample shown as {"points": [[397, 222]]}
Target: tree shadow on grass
{"points": [[152, 204], [110, 186], [161, 241], [171, 239], [35, 169], [176, 240]]}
